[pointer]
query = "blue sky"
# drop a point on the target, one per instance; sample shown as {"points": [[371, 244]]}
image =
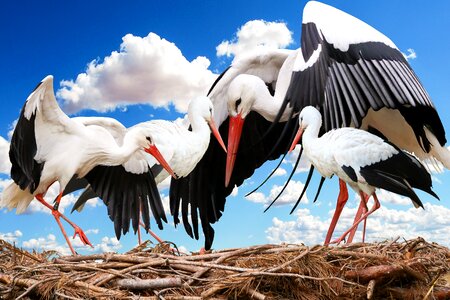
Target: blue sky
{"points": [[63, 38]]}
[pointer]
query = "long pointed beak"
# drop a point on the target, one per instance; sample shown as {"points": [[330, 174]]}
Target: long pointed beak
{"points": [[156, 154], [296, 139], [216, 133], [234, 136]]}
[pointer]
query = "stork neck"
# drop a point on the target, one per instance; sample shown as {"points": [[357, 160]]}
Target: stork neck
{"points": [[198, 124], [120, 154], [311, 133], [268, 106]]}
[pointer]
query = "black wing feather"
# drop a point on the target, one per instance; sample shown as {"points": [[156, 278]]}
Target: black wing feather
{"points": [[127, 196], [206, 181]]}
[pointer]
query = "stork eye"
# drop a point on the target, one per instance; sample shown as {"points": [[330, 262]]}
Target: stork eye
{"points": [[148, 139], [238, 102]]}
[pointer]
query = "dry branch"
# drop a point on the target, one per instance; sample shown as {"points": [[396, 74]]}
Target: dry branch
{"points": [[387, 270]]}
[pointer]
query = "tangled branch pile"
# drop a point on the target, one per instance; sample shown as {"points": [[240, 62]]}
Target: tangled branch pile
{"points": [[412, 269]]}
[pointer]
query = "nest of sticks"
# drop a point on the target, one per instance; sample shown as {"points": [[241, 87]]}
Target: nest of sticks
{"points": [[413, 269]]}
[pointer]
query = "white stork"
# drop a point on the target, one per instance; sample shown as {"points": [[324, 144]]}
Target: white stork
{"points": [[182, 149], [353, 73], [48, 146], [361, 159], [356, 76]]}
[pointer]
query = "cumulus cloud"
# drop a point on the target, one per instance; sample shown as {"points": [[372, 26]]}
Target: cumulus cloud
{"points": [[280, 172], [254, 35], [46, 244], [304, 163], [66, 202], [108, 244], [289, 195], [257, 197], [50, 243], [146, 69], [431, 223], [5, 164], [11, 237], [411, 54]]}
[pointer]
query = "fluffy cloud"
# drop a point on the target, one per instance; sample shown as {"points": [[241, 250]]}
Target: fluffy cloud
{"points": [[303, 164], [431, 223], [290, 194], [254, 35], [46, 244], [410, 55], [147, 69], [11, 237], [66, 202], [5, 164], [280, 172], [107, 244]]}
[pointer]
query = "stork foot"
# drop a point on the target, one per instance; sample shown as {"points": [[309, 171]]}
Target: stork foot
{"points": [[82, 236], [375, 206]]}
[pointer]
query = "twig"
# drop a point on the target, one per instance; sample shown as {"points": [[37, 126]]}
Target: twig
{"points": [[430, 290], [142, 284], [371, 288], [290, 261], [255, 294]]}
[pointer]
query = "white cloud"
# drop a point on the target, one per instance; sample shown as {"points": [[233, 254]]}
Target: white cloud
{"points": [[257, 197], [107, 244], [147, 69], [290, 194], [303, 164], [280, 172], [432, 224], [11, 237], [410, 55], [256, 34], [5, 164], [46, 244], [66, 202], [307, 229], [92, 230], [388, 197]]}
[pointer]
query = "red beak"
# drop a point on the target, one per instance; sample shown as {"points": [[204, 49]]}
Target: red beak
{"points": [[234, 136], [216, 133], [296, 139], [156, 154]]}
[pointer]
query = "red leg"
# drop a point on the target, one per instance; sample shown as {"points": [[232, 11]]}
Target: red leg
{"points": [[341, 200], [375, 206], [157, 238], [362, 209], [139, 235], [56, 214]]}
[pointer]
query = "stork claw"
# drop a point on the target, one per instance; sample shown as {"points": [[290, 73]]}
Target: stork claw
{"points": [[82, 236]]}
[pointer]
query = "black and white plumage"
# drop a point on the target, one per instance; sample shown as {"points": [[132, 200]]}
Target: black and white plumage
{"points": [[358, 77], [354, 74], [48, 146], [363, 160], [182, 148], [202, 193]]}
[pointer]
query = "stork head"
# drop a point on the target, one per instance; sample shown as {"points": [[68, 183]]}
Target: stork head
{"points": [[308, 116], [243, 94], [144, 140], [203, 107]]}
